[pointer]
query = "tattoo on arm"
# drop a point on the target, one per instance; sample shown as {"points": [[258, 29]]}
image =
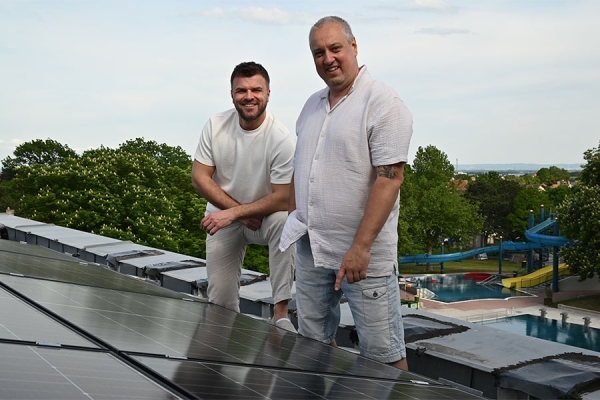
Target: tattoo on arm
{"points": [[387, 171]]}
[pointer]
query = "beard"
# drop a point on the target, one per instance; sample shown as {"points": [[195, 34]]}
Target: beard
{"points": [[251, 117]]}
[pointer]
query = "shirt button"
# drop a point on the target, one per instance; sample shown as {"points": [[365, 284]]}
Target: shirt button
{"points": [[312, 180], [310, 203], [310, 227], [316, 157]]}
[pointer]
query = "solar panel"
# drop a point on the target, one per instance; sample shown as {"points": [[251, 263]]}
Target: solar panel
{"points": [[134, 322], [71, 270], [220, 381], [34, 372], [21, 322], [136, 339]]}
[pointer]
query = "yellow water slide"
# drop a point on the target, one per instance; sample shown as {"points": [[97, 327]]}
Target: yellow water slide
{"points": [[535, 278]]}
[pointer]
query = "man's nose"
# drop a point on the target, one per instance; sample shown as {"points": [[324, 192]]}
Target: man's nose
{"points": [[329, 58]]}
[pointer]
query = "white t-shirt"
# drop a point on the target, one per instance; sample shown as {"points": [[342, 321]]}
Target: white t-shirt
{"points": [[247, 162], [337, 151]]}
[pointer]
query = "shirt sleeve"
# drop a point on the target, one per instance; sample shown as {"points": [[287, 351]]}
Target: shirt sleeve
{"points": [[390, 131], [282, 167], [204, 152]]}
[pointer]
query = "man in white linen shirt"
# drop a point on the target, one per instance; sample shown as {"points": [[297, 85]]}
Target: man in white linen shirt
{"points": [[352, 144], [243, 168]]}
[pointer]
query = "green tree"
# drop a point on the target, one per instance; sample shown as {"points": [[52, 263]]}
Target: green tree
{"points": [[590, 173], [558, 194], [552, 175], [579, 218], [116, 193], [165, 155], [431, 211], [495, 197], [528, 199], [45, 152]]}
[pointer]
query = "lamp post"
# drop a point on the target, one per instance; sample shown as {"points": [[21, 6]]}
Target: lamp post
{"points": [[500, 258], [442, 262]]}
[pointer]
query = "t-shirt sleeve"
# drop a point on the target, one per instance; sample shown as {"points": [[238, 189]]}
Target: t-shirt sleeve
{"points": [[282, 167], [204, 152], [390, 131]]}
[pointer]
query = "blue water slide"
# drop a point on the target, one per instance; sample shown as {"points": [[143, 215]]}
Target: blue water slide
{"points": [[535, 236], [536, 241]]}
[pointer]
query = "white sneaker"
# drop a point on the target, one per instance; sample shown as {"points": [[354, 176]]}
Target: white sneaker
{"points": [[286, 324]]}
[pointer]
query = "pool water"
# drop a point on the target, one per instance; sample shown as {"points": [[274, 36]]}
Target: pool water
{"points": [[460, 287], [551, 330]]}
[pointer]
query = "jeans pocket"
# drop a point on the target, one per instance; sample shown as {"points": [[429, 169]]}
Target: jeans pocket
{"points": [[375, 301]]}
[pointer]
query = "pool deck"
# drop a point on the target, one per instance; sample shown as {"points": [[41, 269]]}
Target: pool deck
{"points": [[474, 310]]}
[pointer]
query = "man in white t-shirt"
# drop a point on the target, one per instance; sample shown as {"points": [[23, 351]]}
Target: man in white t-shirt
{"points": [[352, 144], [243, 168]]}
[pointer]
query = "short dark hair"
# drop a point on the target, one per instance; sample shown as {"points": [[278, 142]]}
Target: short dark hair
{"points": [[249, 69]]}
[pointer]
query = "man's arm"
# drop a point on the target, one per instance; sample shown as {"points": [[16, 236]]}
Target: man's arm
{"points": [[292, 201], [203, 183], [232, 210], [384, 194]]}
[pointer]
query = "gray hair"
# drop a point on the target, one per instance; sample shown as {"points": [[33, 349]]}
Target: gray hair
{"points": [[336, 20]]}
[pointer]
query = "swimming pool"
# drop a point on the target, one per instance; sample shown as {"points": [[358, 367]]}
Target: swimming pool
{"points": [[550, 329], [460, 287]]}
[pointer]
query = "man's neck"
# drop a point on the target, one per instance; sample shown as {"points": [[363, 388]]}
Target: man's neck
{"points": [[336, 95], [252, 125]]}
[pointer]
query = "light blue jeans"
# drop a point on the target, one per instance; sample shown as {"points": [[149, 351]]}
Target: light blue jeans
{"points": [[374, 302], [225, 251]]}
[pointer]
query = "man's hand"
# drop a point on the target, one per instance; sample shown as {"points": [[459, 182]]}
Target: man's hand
{"points": [[354, 265], [217, 220], [253, 224]]}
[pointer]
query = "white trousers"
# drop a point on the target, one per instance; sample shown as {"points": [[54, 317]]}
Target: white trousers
{"points": [[225, 252]]}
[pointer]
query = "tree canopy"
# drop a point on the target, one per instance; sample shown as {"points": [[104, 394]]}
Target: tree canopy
{"points": [[431, 211], [528, 199], [495, 197], [553, 174], [45, 152], [590, 173], [126, 193], [579, 219]]}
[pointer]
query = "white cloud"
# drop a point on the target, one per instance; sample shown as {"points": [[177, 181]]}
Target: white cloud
{"points": [[214, 12], [443, 31], [269, 16], [427, 5]]}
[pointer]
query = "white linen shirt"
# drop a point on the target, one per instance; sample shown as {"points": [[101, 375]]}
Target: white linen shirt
{"points": [[337, 151]]}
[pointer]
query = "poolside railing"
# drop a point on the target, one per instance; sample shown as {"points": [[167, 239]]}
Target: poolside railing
{"points": [[489, 317]]}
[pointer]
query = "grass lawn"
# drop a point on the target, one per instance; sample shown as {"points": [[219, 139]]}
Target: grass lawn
{"points": [[588, 302], [466, 265]]}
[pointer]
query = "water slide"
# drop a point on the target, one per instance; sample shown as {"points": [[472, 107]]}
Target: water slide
{"points": [[536, 242], [535, 278], [436, 258]]}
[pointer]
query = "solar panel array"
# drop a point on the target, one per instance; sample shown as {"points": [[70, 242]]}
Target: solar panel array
{"points": [[76, 330]]}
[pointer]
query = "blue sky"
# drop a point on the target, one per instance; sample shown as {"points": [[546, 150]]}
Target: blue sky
{"points": [[487, 81]]}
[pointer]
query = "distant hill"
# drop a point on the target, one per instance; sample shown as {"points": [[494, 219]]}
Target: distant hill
{"points": [[516, 167]]}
